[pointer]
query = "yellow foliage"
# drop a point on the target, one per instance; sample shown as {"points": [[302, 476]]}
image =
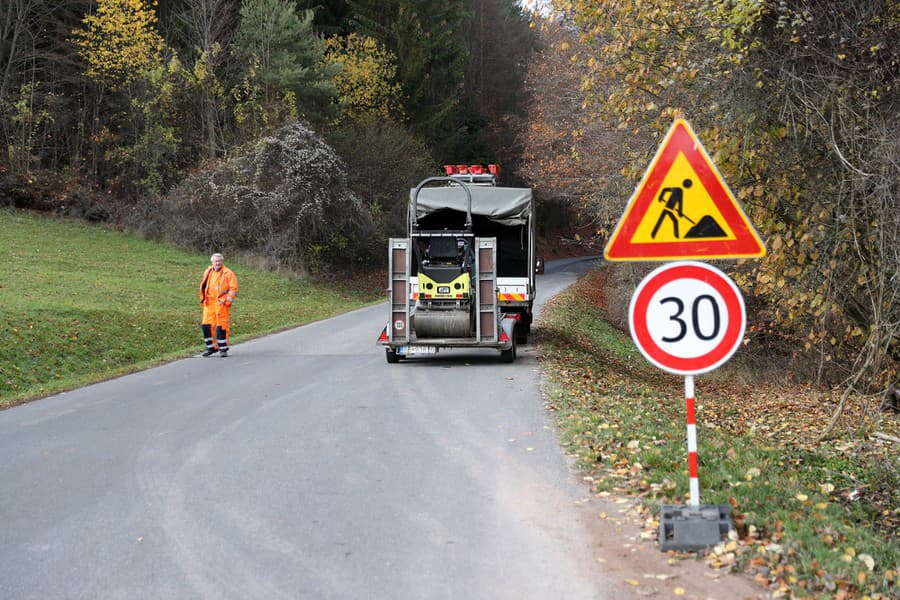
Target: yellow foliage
{"points": [[366, 84], [120, 42]]}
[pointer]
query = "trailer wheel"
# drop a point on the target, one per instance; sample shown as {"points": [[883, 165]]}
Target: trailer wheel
{"points": [[391, 355], [508, 356]]}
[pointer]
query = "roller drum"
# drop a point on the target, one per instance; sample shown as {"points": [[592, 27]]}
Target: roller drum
{"points": [[443, 324]]}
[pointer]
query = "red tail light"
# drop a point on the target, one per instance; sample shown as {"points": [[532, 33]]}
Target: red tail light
{"points": [[450, 169]]}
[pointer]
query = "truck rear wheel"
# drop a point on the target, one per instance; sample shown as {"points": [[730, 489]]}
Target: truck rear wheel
{"points": [[523, 328], [521, 334], [508, 356], [391, 355]]}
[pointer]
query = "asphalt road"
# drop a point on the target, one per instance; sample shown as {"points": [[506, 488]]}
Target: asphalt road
{"points": [[303, 466]]}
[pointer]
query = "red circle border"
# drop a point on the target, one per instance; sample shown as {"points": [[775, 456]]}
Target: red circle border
{"points": [[733, 303]]}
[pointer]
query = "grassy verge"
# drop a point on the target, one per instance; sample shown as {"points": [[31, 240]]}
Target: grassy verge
{"points": [[80, 303], [813, 520]]}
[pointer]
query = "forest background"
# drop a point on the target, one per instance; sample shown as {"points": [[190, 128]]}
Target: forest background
{"points": [[288, 132]]}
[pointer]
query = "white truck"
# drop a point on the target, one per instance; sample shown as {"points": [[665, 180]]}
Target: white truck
{"points": [[464, 277]]}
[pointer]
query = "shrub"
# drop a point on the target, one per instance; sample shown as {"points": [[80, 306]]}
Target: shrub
{"points": [[385, 162], [286, 199]]}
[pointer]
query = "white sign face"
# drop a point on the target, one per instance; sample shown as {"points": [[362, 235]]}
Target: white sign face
{"points": [[687, 318]]}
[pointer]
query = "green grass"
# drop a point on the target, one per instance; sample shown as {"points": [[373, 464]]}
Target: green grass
{"points": [[801, 531], [80, 303]]}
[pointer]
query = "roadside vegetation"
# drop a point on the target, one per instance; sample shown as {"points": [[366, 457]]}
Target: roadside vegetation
{"points": [[295, 126], [814, 518], [797, 103], [80, 303]]}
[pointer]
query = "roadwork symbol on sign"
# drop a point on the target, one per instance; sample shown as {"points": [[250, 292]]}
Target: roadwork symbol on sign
{"points": [[687, 317], [683, 209]]}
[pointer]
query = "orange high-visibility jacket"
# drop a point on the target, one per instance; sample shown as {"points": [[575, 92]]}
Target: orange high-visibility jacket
{"points": [[218, 287]]}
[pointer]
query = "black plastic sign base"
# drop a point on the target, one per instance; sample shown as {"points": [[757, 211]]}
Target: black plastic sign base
{"points": [[692, 528]]}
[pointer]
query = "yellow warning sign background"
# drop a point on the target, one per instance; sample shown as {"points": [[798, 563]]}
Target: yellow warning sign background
{"points": [[697, 205]]}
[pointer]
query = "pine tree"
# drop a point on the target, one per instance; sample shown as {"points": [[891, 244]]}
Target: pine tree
{"points": [[283, 52]]}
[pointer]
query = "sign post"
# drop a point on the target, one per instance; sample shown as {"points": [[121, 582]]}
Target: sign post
{"points": [[693, 466], [686, 318], [695, 526]]}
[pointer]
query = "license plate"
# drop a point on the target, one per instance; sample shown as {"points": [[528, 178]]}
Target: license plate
{"points": [[410, 350]]}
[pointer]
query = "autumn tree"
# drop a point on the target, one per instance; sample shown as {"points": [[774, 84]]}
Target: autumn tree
{"points": [[123, 53], [795, 101], [825, 75], [120, 42], [571, 157], [367, 84]]}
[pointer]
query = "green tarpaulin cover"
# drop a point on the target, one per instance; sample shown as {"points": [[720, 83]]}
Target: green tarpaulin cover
{"points": [[507, 206]]}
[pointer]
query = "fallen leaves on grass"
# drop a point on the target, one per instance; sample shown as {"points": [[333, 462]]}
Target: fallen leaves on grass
{"points": [[609, 398]]}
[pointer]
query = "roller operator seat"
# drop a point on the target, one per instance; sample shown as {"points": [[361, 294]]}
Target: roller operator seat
{"points": [[443, 260]]}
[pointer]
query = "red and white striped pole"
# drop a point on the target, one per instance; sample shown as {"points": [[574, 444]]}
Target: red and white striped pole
{"points": [[692, 440]]}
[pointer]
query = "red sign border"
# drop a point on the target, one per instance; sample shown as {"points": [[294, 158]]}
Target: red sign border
{"points": [[712, 276], [682, 139]]}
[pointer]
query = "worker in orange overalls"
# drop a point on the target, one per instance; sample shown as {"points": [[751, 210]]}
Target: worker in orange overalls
{"points": [[217, 291]]}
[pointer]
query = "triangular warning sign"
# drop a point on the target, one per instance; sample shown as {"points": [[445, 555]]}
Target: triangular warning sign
{"points": [[683, 209]]}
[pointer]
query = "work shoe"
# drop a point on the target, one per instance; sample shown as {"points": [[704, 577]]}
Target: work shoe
{"points": [[224, 353], [210, 352]]}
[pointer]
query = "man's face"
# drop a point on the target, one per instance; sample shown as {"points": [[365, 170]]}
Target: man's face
{"points": [[217, 263]]}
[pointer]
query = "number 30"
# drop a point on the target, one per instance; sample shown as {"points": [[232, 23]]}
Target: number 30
{"points": [[695, 320]]}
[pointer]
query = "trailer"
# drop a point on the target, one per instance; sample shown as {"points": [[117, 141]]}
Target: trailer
{"points": [[464, 277]]}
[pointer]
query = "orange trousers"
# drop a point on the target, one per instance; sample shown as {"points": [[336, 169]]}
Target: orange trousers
{"points": [[216, 315]]}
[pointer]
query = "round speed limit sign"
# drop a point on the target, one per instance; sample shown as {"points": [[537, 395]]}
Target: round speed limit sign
{"points": [[687, 318]]}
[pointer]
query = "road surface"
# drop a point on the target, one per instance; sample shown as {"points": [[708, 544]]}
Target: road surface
{"points": [[302, 466]]}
